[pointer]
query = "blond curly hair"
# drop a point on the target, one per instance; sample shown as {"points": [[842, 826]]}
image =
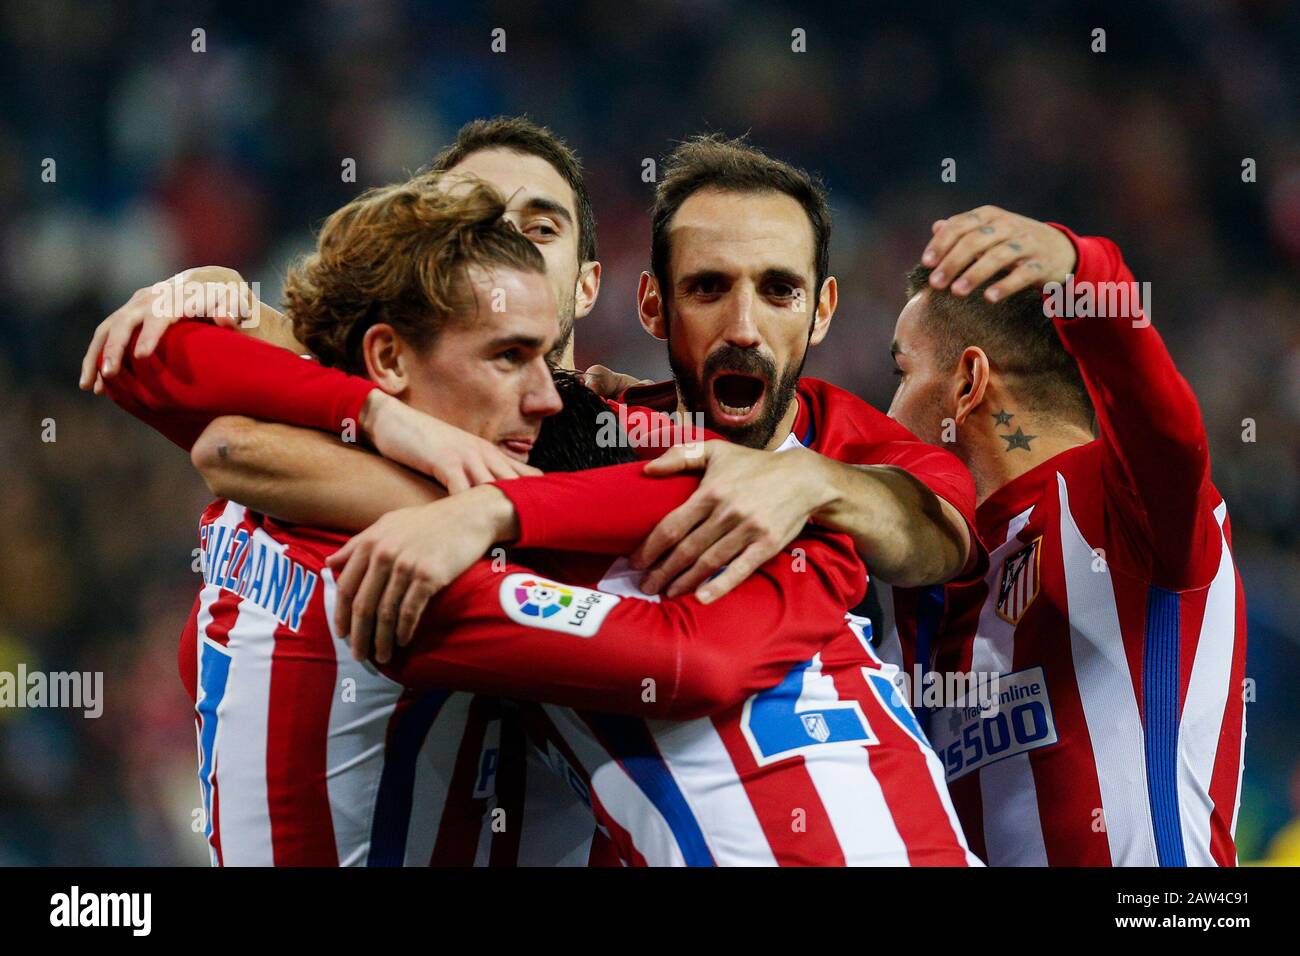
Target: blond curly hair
{"points": [[398, 255]]}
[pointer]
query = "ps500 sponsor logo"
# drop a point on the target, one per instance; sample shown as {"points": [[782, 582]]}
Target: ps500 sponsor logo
{"points": [[968, 737]]}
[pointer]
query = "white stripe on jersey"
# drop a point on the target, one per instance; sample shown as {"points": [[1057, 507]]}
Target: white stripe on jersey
{"points": [[1241, 771], [848, 789], [243, 814], [1221, 515], [856, 806], [557, 826], [1204, 706], [622, 799], [1106, 691], [699, 762], [1009, 786], [932, 762], [1013, 833], [354, 755], [207, 595]]}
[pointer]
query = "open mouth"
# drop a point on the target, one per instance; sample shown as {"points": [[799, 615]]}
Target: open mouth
{"points": [[736, 397]]}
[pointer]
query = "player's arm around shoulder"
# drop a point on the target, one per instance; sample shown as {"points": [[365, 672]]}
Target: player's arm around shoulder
{"points": [[751, 504], [907, 534]]}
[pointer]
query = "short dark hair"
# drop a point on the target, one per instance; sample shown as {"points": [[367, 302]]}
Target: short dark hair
{"points": [[714, 162], [571, 439], [522, 135], [1016, 334]]}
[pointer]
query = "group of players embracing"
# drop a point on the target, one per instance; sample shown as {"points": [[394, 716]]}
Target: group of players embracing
{"points": [[463, 605]]}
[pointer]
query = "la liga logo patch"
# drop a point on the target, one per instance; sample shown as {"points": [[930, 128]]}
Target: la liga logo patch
{"points": [[542, 598], [537, 602]]}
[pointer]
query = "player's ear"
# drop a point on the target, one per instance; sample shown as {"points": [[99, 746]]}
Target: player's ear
{"points": [[827, 298], [650, 307], [383, 352], [584, 296], [970, 382]]}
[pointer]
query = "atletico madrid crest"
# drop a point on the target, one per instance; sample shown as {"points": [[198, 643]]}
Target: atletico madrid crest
{"points": [[1018, 585]]}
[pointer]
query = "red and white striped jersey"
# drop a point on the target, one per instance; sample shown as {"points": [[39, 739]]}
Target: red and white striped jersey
{"points": [[307, 757], [815, 687], [310, 758], [1115, 616], [826, 768]]}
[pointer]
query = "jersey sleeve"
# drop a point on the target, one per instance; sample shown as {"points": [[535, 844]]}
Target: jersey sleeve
{"points": [[1156, 461], [199, 372], [607, 510], [943, 474], [491, 632]]}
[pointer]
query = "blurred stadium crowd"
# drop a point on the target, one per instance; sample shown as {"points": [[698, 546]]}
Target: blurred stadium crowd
{"points": [[167, 158]]}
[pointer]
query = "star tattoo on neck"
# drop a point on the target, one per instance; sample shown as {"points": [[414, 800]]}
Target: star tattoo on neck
{"points": [[1018, 440], [1003, 417]]}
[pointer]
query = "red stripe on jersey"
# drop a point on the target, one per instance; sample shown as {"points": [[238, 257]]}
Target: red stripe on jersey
{"points": [[1131, 597], [461, 824], [603, 851], [968, 801], [1225, 779], [1191, 614], [1071, 833], [304, 674], [900, 767], [187, 654], [216, 820], [510, 789], [776, 791], [619, 839], [225, 611]]}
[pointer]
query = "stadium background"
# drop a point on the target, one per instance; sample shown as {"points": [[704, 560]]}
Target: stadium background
{"points": [[168, 158]]}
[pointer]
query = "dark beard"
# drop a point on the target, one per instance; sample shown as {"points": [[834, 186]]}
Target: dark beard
{"points": [[568, 315], [556, 354], [730, 358]]}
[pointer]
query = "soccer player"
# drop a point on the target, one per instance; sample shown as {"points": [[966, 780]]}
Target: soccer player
{"points": [[905, 508], [741, 289], [546, 200], [768, 731], [766, 226], [503, 389], [1112, 608]]}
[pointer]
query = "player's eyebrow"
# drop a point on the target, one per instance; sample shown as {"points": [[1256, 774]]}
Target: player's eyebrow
{"points": [[894, 349], [548, 205], [700, 275], [780, 274], [534, 342]]}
